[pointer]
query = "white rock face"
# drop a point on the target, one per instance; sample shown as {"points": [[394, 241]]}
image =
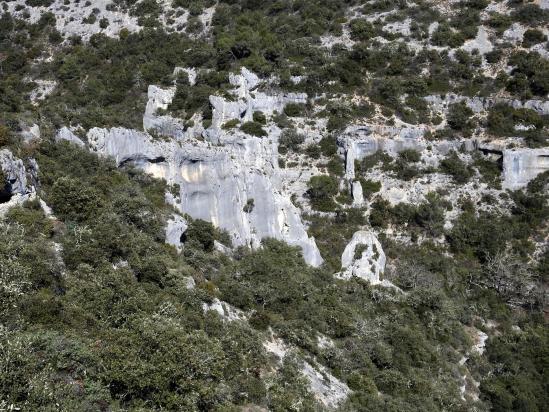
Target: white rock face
{"points": [[358, 142], [43, 89], [31, 133], [164, 125], [370, 263], [66, 134], [481, 42], [15, 189], [227, 312], [14, 172], [326, 388], [520, 166], [356, 191], [174, 230], [216, 182], [249, 101], [479, 104]]}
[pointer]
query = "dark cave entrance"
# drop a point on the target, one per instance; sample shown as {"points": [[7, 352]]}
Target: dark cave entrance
{"points": [[5, 192]]}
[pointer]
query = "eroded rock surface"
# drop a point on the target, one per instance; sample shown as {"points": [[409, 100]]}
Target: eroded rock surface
{"points": [[520, 166], [217, 182], [363, 257], [14, 185]]}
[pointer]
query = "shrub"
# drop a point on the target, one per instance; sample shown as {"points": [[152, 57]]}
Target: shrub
{"points": [[410, 155], [459, 118], [39, 3], [500, 22], [230, 124], [361, 29], [5, 136], [321, 190], [290, 140], [533, 36], [259, 117], [253, 128], [456, 168], [201, 232], [294, 109], [369, 187], [249, 206], [73, 200]]}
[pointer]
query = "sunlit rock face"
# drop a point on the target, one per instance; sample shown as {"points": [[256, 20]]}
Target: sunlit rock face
{"points": [[249, 100], [479, 104], [232, 181], [15, 187], [217, 182], [363, 257], [520, 166]]}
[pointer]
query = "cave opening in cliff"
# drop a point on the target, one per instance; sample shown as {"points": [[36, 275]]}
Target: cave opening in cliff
{"points": [[183, 237], [5, 192]]}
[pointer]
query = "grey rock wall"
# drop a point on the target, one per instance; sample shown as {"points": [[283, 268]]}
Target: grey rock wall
{"points": [[479, 104], [520, 166], [216, 182]]}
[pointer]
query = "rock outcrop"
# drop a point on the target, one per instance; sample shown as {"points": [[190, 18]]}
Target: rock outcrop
{"points": [[520, 166], [218, 181], [326, 388], [14, 186], [175, 229], [249, 100], [479, 104], [358, 142], [66, 134], [363, 257]]}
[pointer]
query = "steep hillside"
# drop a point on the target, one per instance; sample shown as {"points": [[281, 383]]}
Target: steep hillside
{"points": [[274, 205]]}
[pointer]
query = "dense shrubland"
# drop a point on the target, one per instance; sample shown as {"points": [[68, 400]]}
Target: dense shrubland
{"points": [[105, 321], [104, 82]]}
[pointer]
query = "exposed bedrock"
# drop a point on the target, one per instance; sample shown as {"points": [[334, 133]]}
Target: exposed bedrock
{"points": [[15, 188], [363, 257], [478, 104], [249, 100], [520, 166], [66, 134], [14, 173], [175, 230], [358, 142], [217, 182]]}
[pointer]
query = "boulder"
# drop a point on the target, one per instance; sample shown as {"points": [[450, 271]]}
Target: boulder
{"points": [[14, 186], [363, 257]]}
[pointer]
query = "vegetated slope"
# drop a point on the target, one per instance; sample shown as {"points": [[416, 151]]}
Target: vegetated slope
{"points": [[98, 313]]}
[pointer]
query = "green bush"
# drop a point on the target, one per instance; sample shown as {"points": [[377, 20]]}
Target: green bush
{"points": [[290, 140], [410, 155], [455, 167], [362, 30], [533, 36], [460, 118], [73, 200], [253, 128], [294, 109], [259, 117], [321, 190]]}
